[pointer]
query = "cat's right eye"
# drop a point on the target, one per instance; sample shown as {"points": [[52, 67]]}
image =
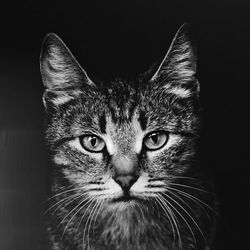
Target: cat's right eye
{"points": [[92, 143]]}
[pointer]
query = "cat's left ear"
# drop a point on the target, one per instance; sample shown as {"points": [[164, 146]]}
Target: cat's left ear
{"points": [[177, 70]]}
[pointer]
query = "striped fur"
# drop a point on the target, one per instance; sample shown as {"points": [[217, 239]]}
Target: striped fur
{"points": [[173, 207]]}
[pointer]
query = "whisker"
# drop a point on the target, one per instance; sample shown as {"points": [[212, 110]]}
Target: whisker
{"points": [[92, 214], [66, 191], [92, 217], [72, 210], [139, 206], [193, 198], [178, 197], [184, 202], [188, 179], [168, 197], [101, 203], [157, 179], [166, 210], [174, 216], [64, 200], [90, 203], [183, 177], [72, 217], [189, 217], [171, 217], [89, 218], [187, 186], [196, 202]]}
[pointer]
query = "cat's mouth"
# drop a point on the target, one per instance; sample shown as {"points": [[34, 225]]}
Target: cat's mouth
{"points": [[126, 197]]}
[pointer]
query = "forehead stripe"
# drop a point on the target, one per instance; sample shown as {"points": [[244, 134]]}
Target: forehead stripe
{"points": [[143, 120], [102, 123]]}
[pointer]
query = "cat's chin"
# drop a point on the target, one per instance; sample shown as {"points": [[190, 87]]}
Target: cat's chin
{"points": [[126, 198], [123, 203]]}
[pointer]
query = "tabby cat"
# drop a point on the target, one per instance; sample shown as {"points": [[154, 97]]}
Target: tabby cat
{"points": [[125, 171]]}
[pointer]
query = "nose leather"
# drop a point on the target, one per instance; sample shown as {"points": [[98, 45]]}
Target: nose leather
{"points": [[126, 181], [125, 170]]}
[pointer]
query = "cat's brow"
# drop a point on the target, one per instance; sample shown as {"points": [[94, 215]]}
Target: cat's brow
{"points": [[102, 123], [143, 120]]}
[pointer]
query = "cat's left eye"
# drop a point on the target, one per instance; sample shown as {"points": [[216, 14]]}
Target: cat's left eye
{"points": [[92, 143], [156, 140]]}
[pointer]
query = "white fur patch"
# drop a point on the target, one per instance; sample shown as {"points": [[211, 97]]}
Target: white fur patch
{"points": [[60, 160], [110, 145], [139, 134], [139, 185], [183, 69], [110, 128], [181, 92], [62, 99]]}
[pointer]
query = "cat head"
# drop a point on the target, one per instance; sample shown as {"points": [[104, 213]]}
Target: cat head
{"points": [[121, 140]]}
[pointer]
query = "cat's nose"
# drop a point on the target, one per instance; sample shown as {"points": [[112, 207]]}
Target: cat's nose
{"points": [[126, 181]]}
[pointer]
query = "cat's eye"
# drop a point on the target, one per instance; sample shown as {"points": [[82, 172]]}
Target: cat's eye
{"points": [[92, 143], [156, 140]]}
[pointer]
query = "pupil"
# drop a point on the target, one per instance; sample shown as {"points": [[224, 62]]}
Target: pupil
{"points": [[93, 142], [155, 138]]}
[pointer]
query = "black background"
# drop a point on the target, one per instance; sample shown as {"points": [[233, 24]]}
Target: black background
{"points": [[112, 38]]}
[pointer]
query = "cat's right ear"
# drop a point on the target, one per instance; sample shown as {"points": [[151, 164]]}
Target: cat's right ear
{"points": [[62, 75], [59, 68]]}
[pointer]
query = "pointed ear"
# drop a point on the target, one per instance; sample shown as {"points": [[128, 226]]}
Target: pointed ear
{"points": [[177, 70], [59, 68], [62, 75]]}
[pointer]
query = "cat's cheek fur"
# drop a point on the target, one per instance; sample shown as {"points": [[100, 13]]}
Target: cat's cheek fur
{"points": [[61, 160], [141, 188]]}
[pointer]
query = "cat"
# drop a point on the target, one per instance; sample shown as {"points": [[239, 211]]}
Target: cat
{"points": [[125, 171]]}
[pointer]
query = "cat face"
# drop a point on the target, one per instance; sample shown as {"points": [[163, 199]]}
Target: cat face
{"points": [[119, 147]]}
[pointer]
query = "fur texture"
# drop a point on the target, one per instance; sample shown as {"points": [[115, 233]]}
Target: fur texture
{"points": [[169, 205]]}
